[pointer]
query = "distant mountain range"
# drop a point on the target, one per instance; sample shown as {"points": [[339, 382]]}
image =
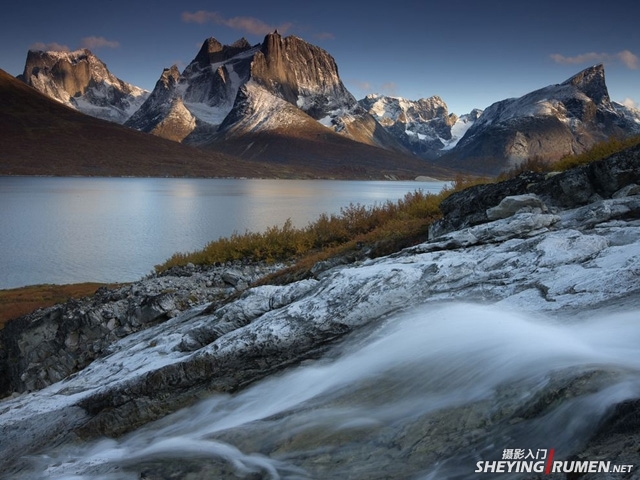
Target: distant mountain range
{"points": [[282, 103], [40, 136]]}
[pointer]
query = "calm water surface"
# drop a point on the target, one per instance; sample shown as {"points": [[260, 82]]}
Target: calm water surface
{"points": [[67, 230]]}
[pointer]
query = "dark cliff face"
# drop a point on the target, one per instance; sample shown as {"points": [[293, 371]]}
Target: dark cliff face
{"points": [[212, 51], [592, 83]]}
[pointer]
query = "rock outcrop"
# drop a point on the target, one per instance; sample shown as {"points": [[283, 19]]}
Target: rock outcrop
{"points": [[572, 188], [424, 386], [51, 344]]}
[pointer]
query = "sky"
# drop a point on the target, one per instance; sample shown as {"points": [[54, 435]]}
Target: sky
{"points": [[470, 53]]}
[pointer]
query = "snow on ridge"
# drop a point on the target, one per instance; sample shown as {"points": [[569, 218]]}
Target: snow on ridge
{"points": [[458, 131]]}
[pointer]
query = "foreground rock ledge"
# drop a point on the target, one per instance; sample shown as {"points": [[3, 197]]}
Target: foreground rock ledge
{"points": [[545, 257]]}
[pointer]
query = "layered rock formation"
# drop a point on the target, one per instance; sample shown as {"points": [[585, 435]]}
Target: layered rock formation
{"points": [[414, 384], [80, 80]]}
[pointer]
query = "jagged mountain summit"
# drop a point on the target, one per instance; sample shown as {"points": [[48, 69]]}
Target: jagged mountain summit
{"points": [[548, 123], [232, 90], [200, 97], [425, 127], [82, 81]]}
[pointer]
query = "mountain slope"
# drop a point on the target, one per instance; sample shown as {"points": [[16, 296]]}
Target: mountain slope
{"points": [[39, 136], [81, 81], [549, 123], [269, 129]]}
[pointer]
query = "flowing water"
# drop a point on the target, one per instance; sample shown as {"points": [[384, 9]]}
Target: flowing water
{"points": [[425, 395]]}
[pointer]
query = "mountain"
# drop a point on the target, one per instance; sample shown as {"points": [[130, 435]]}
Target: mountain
{"points": [[198, 99], [630, 113], [281, 101], [80, 80], [40, 136], [548, 123], [425, 127], [191, 105]]}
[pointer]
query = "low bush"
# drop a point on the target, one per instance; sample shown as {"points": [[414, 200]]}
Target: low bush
{"points": [[597, 152]]}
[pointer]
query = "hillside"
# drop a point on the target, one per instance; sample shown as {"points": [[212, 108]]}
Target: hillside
{"points": [[39, 136], [42, 137]]}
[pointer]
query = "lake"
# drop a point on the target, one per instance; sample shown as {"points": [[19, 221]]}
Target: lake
{"points": [[70, 230]]}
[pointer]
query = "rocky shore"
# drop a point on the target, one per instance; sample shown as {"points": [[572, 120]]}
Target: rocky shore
{"points": [[563, 246]]}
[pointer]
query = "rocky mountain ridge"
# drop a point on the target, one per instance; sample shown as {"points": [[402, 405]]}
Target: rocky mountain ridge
{"points": [[549, 123], [216, 94], [565, 248], [82, 81], [266, 102], [423, 126]]}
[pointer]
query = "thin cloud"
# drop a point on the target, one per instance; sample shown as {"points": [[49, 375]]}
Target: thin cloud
{"points": [[49, 47], [362, 85], [583, 58], [98, 42], [629, 59], [626, 57], [249, 25], [389, 88], [629, 102]]}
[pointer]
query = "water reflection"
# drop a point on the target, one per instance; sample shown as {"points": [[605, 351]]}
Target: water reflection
{"points": [[64, 230]]}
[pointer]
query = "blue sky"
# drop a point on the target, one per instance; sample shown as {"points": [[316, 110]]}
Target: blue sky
{"points": [[470, 53]]}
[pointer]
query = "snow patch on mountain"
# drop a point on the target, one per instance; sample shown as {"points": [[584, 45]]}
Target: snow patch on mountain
{"points": [[630, 113], [460, 128], [424, 126], [257, 109]]}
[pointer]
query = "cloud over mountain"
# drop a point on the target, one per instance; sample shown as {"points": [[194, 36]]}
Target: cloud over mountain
{"points": [[626, 57], [93, 43], [249, 25]]}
